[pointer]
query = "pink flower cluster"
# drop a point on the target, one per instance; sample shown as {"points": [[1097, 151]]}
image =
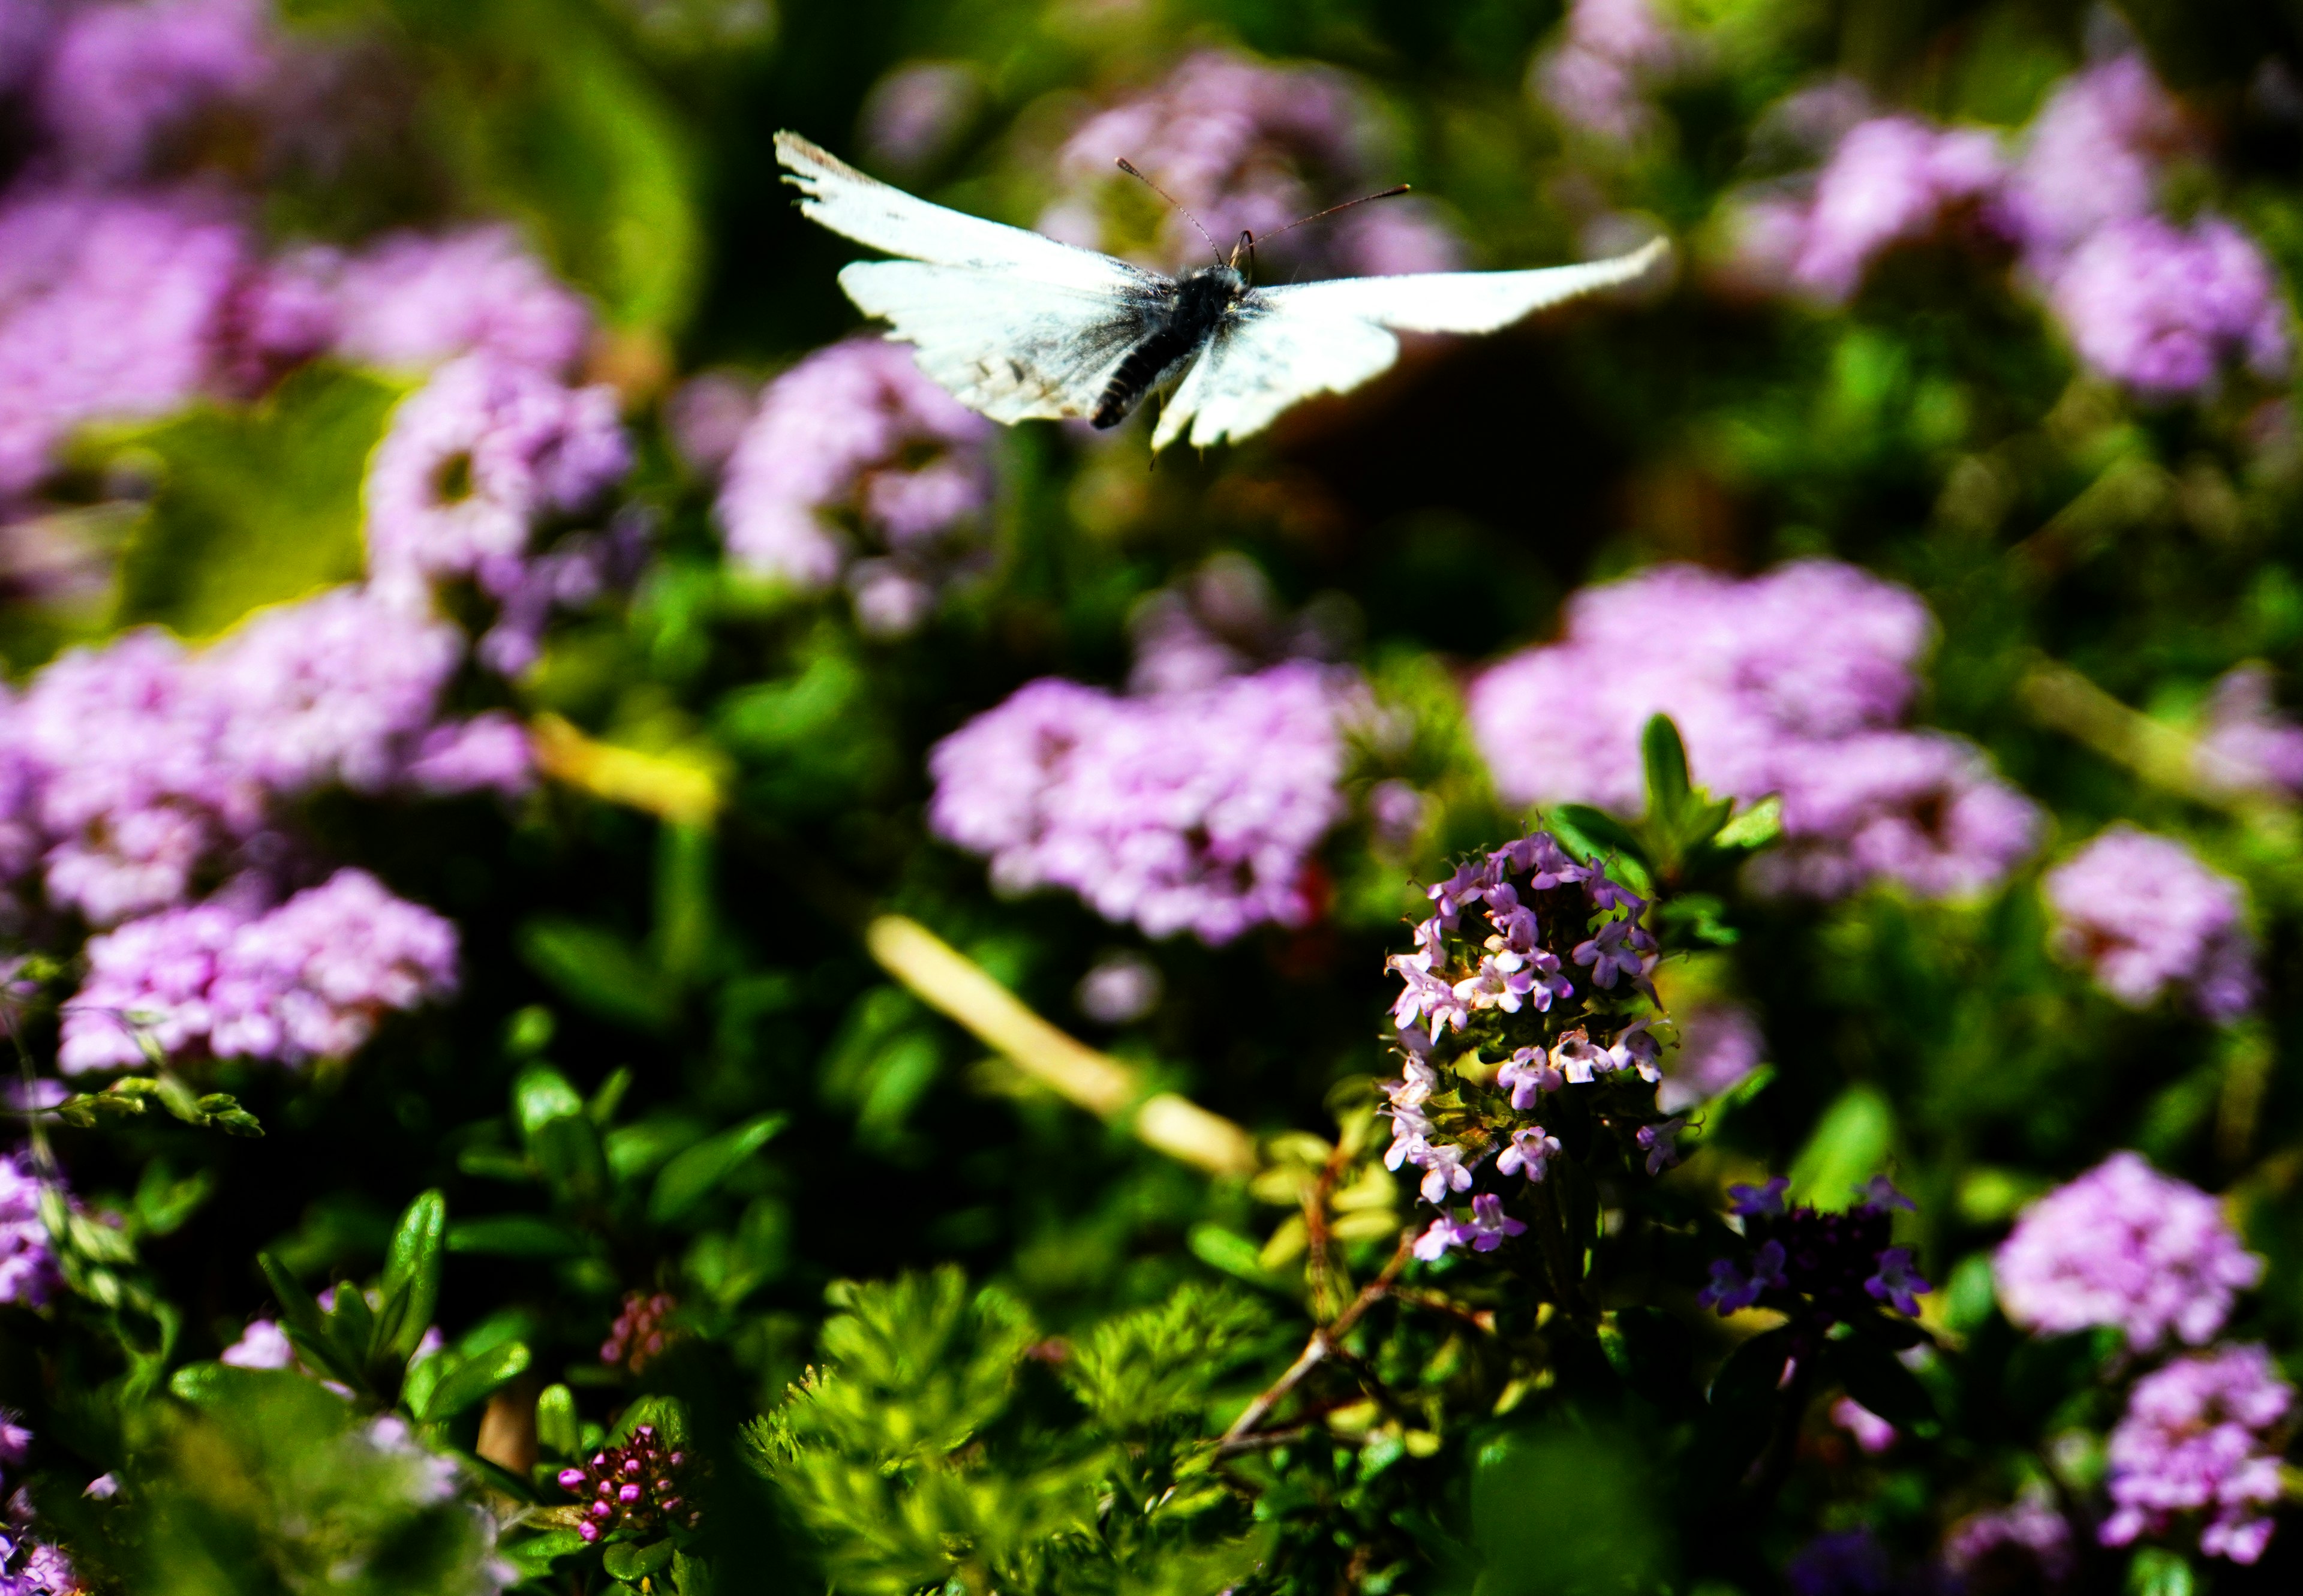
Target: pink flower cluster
{"points": [[856, 465], [1612, 53], [29, 1274], [1248, 148], [2147, 919], [2245, 744], [307, 979], [2158, 305], [1186, 811], [2126, 1246], [2202, 1436], [1788, 683]]}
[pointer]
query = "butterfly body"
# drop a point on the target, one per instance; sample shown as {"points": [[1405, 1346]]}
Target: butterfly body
{"points": [[1018, 326], [1203, 300]]}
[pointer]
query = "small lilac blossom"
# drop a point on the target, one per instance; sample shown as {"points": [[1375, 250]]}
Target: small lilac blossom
{"points": [[488, 753], [2128, 1246], [1396, 812], [1489, 1227], [1890, 180], [262, 1345], [111, 308], [1247, 146], [408, 302], [912, 115], [1529, 1152], [2091, 156], [2202, 1436], [1880, 1192], [1183, 811], [1619, 948], [307, 979], [15, 1441], [29, 1273], [1719, 1047], [2164, 309], [856, 450], [1440, 1237], [2028, 1530], [1444, 1170], [1733, 1289], [2246, 745], [1660, 1143], [2147, 919], [1121, 989], [1872, 1433], [328, 690], [470, 465], [1758, 1200], [1897, 1283], [1526, 1074], [1578, 1060], [1612, 55], [121, 77]]}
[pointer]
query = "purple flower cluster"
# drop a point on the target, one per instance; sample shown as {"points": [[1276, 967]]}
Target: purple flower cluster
{"points": [[307, 979], [636, 1486], [1248, 147], [857, 465], [2160, 306], [2245, 744], [30, 1567], [1786, 683], [1188, 811], [2202, 1436], [120, 81], [2025, 1544], [2124, 1245], [1831, 1264], [2146, 918], [639, 1335], [1612, 53], [29, 1274]]}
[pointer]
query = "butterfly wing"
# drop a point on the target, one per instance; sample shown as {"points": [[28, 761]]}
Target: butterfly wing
{"points": [[1008, 347], [1290, 343], [1015, 324]]}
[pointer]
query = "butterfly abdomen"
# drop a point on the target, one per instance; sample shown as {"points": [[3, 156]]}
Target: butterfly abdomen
{"points": [[1202, 301]]}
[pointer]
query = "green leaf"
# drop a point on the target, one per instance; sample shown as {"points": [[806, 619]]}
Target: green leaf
{"points": [[255, 506], [631, 1564], [1754, 828], [539, 1095], [610, 1097], [516, 1235], [597, 969], [568, 1150], [1666, 759], [1850, 1145], [465, 1380], [688, 1178], [311, 1331], [2157, 1571], [534, 1554], [1227, 1250], [1593, 833], [411, 1275], [558, 1428], [1874, 1378]]}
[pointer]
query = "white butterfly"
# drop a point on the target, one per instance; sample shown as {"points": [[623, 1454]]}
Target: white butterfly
{"points": [[1019, 326]]}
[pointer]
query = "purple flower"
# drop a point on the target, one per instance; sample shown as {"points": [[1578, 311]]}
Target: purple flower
{"points": [[1578, 1060], [2146, 918], [1530, 1151], [1444, 1170], [1490, 1226], [912, 115], [1526, 1074], [262, 1345], [409, 301], [1618, 948], [472, 462], [2091, 156], [2029, 1532], [29, 1274], [1123, 987], [326, 691], [1754, 1201], [121, 77], [1897, 1283], [1440, 1237], [111, 308], [1245, 146], [1611, 55], [488, 753], [1719, 1047], [310, 979], [2245, 744], [855, 443], [1880, 1193], [1660, 1143], [1184, 811], [2124, 1245], [2199, 1437], [1733, 1290], [2161, 308], [1467, 886], [1872, 1433], [1891, 179]]}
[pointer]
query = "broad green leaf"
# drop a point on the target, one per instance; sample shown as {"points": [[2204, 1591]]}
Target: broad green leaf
{"points": [[568, 1150], [411, 1275], [468, 1380], [598, 970], [1665, 756], [688, 1178], [310, 1330], [516, 1235], [1850, 1145], [539, 1095], [558, 1428], [1755, 827], [1594, 833], [631, 1564], [254, 506]]}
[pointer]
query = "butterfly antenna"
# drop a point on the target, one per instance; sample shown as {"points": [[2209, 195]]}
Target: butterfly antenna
{"points": [[1331, 210], [1129, 167]]}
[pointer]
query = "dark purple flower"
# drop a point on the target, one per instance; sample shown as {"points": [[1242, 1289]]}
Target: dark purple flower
{"points": [[1880, 1193], [1897, 1283], [1733, 1287], [1755, 1201], [1490, 1226]]}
